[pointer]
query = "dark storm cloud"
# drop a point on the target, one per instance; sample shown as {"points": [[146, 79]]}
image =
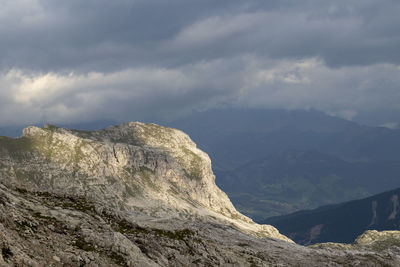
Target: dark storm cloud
{"points": [[94, 35], [340, 32], [74, 61], [108, 35]]}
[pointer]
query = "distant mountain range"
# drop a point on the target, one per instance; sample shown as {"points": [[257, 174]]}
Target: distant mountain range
{"points": [[140, 194], [341, 222], [295, 180], [273, 162]]}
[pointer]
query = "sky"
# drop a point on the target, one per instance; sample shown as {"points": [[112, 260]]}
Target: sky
{"points": [[79, 61]]}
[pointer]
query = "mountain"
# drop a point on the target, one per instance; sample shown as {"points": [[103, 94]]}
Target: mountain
{"points": [[342, 222], [15, 131], [134, 195], [260, 132], [274, 162], [294, 180], [123, 164]]}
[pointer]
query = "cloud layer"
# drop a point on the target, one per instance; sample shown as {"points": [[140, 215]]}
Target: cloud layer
{"points": [[74, 61]]}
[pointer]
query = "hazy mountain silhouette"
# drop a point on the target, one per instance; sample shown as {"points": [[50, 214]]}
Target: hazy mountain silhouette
{"points": [[273, 162], [341, 222]]}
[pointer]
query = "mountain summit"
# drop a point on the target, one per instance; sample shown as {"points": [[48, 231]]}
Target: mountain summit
{"points": [[135, 167], [133, 195]]}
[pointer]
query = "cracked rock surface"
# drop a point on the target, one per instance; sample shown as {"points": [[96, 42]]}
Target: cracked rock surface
{"points": [[138, 195]]}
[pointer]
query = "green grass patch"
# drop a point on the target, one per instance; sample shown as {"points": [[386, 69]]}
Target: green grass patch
{"points": [[193, 171], [17, 148]]}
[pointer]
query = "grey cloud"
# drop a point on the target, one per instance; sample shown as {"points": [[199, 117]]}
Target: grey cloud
{"points": [[110, 35], [95, 35], [139, 93], [71, 61], [346, 92], [163, 93], [346, 33]]}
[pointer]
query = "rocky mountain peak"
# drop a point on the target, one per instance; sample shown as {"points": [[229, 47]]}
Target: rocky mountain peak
{"points": [[133, 167], [139, 195]]}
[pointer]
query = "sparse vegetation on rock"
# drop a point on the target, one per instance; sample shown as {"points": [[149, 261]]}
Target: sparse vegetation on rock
{"points": [[132, 195]]}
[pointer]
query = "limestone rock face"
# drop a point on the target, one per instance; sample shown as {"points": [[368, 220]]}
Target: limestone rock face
{"points": [[132, 167], [372, 236], [370, 240], [137, 195], [42, 229]]}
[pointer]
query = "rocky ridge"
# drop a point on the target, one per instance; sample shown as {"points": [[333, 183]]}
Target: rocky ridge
{"points": [[369, 240], [134, 195], [133, 167]]}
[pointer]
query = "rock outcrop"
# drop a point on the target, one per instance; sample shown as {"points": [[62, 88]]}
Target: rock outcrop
{"points": [[133, 195], [370, 240], [133, 167]]}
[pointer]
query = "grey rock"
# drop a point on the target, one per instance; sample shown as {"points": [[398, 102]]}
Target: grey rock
{"points": [[137, 195]]}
